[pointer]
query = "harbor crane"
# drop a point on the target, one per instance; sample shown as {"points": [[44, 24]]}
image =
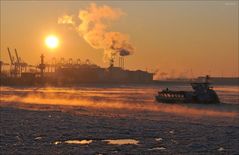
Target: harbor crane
{"points": [[16, 66], [13, 67]]}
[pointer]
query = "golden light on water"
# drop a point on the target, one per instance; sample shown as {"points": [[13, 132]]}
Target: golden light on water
{"points": [[52, 41]]}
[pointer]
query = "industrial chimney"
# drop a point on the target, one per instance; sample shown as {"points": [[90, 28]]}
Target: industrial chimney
{"points": [[121, 62]]}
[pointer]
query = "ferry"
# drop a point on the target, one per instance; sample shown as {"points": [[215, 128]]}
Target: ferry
{"points": [[202, 93]]}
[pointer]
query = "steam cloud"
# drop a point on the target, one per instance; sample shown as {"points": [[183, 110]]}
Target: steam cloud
{"points": [[54, 98], [94, 28], [52, 101]]}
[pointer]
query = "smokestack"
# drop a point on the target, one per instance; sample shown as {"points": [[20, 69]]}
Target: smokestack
{"points": [[42, 67], [121, 62]]}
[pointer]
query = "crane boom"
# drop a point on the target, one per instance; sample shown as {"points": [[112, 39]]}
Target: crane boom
{"points": [[10, 56], [18, 60]]}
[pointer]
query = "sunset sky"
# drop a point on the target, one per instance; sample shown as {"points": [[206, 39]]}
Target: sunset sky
{"points": [[181, 38]]}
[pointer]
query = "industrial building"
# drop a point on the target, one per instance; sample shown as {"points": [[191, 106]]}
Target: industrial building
{"points": [[70, 72]]}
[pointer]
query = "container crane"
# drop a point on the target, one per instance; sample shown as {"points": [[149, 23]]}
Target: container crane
{"points": [[18, 64], [13, 71]]}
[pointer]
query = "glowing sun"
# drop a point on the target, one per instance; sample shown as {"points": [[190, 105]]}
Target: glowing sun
{"points": [[52, 41]]}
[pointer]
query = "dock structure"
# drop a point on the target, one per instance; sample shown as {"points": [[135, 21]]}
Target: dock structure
{"points": [[69, 71]]}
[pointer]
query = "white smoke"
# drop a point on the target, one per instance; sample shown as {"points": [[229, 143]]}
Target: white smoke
{"points": [[94, 24]]}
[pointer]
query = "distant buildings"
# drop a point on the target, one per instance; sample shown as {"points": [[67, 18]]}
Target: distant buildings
{"points": [[69, 73]]}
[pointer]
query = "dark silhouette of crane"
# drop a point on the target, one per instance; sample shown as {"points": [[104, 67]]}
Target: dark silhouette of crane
{"points": [[13, 68], [16, 65]]}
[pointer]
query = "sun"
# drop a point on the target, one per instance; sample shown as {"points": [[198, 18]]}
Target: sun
{"points": [[52, 41]]}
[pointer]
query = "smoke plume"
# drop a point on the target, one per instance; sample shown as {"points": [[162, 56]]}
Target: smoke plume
{"points": [[66, 19], [95, 22]]}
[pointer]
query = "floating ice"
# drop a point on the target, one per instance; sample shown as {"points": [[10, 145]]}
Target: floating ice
{"points": [[122, 141], [174, 141], [158, 139], [157, 148], [221, 149], [57, 142], [78, 141], [38, 138], [82, 142], [172, 131]]}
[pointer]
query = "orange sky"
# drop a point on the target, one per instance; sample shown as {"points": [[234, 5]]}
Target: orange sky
{"points": [[176, 37]]}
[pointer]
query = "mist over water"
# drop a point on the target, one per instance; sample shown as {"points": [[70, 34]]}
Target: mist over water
{"points": [[132, 97]]}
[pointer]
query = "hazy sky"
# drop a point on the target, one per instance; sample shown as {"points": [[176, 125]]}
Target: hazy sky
{"points": [[176, 37]]}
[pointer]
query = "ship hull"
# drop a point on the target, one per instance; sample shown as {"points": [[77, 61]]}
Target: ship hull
{"points": [[182, 101], [168, 96]]}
